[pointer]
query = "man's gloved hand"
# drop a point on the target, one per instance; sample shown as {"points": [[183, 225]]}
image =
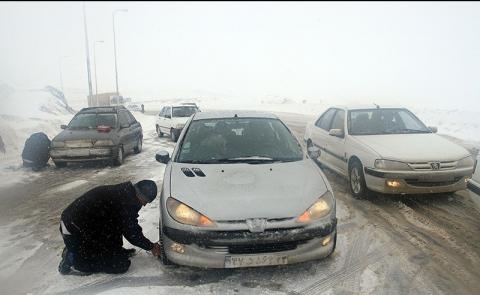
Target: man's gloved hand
{"points": [[156, 250]]}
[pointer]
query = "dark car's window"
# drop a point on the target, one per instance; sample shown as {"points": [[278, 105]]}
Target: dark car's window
{"points": [[234, 139], [91, 121], [123, 119], [131, 118], [184, 111], [338, 120], [326, 119], [384, 121]]}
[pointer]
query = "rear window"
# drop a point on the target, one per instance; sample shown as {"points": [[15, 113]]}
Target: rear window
{"points": [[91, 121]]}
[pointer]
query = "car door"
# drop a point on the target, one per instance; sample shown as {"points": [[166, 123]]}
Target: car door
{"points": [[125, 133], [335, 144], [320, 132]]}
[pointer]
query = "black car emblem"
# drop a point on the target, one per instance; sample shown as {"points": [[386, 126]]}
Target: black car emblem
{"points": [[256, 225], [435, 165]]}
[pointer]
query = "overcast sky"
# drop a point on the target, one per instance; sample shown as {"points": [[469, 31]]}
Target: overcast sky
{"points": [[412, 53]]}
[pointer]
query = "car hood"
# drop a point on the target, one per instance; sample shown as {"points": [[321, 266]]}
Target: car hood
{"points": [[414, 147], [83, 135], [241, 191]]}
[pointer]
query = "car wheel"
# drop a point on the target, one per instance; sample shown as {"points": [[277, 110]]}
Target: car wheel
{"points": [[138, 148], [159, 132], [358, 186], [173, 135], [163, 258], [119, 158], [60, 164]]}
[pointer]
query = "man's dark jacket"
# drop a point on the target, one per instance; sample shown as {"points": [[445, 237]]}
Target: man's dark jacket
{"points": [[102, 215]]}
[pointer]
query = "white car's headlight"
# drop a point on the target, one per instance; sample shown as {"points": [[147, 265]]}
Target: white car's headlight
{"points": [[321, 208], [103, 142], [58, 144], [186, 215], [466, 162], [391, 165]]}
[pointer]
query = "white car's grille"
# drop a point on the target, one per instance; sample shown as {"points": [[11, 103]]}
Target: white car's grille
{"points": [[433, 166]]}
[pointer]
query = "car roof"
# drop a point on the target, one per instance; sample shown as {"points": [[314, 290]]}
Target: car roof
{"points": [[366, 107], [110, 109], [233, 114]]}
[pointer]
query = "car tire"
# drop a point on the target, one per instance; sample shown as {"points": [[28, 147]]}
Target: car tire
{"points": [[173, 135], [163, 258], [356, 180], [118, 160], [139, 147], [159, 132], [60, 164]]}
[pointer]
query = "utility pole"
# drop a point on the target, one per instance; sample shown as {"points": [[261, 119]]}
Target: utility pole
{"points": [[95, 70], [90, 95], [115, 48]]}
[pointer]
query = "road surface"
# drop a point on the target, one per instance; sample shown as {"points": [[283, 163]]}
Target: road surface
{"points": [[386, 245]]}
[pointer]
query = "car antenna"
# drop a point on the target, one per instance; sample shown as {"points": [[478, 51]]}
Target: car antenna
{"points": [[376, 105]]}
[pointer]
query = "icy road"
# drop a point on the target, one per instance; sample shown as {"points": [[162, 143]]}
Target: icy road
{"points": [[386, 245]]}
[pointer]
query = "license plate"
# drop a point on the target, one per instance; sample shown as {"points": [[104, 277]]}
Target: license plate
{"points": [[78, 153], [254, 260]]}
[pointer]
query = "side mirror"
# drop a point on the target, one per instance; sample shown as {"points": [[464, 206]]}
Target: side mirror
{"points": [[63, 126], [162, 157], [433, 129], [336, 132], [313, 152]]}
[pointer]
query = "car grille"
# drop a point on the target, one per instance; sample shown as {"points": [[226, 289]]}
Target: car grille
{"points": [[78, 143], [257, 248], [421, 183], [426, 166]]}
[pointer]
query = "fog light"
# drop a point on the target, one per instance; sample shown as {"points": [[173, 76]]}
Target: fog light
{"points": [[326, 240], [393, 183], [467, 179], [177, 248]]}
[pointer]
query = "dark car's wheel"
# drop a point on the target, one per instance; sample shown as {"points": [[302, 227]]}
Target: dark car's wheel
{"points": [[173, 135], [139, 146], [159, 132], [60, 164], [118, 160], [358, 186], [163, 258]]}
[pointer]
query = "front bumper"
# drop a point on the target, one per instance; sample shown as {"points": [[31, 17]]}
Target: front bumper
{"points": [[211, 249], [81, 154], [417, 182]]}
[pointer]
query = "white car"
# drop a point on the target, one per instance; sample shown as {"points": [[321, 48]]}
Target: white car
{"points": [[388, 150], [239, 191], [171, 119]]}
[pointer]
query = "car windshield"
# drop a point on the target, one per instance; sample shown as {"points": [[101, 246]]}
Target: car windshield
{"points": [[91, 121], [242, 140], [184, 111], [384, 121]]}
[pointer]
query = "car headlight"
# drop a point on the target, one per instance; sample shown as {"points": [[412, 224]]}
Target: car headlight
{"points": [[186, 215], [179, 126], [391, 165], [466, 162], [58, 144], [103, 142], [321, 208]]}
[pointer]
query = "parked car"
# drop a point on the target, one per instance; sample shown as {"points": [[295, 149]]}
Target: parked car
{"points": [[98, 134], [171, 119], [388, 150], [238, 191], [474, 183]]}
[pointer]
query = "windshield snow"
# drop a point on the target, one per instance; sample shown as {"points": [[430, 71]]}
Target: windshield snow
{"points": [[91, 121]]}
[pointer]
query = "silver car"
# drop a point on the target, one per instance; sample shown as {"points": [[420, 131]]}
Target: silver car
{"points": [[238, 191]]}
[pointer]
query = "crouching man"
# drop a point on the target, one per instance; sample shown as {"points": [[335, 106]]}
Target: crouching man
{"points": [[93, 225]]}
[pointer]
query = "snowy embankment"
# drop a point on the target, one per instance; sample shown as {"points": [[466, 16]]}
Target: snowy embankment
{"points": [[461, 124], [22, 113]]}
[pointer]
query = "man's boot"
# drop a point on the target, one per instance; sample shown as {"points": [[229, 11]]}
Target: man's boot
{"points": [[65, 265], [128, 252]]}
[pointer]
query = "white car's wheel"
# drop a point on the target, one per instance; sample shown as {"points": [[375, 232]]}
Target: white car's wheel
{"points": [[159, 132], [358, 186], [173, 135]]}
